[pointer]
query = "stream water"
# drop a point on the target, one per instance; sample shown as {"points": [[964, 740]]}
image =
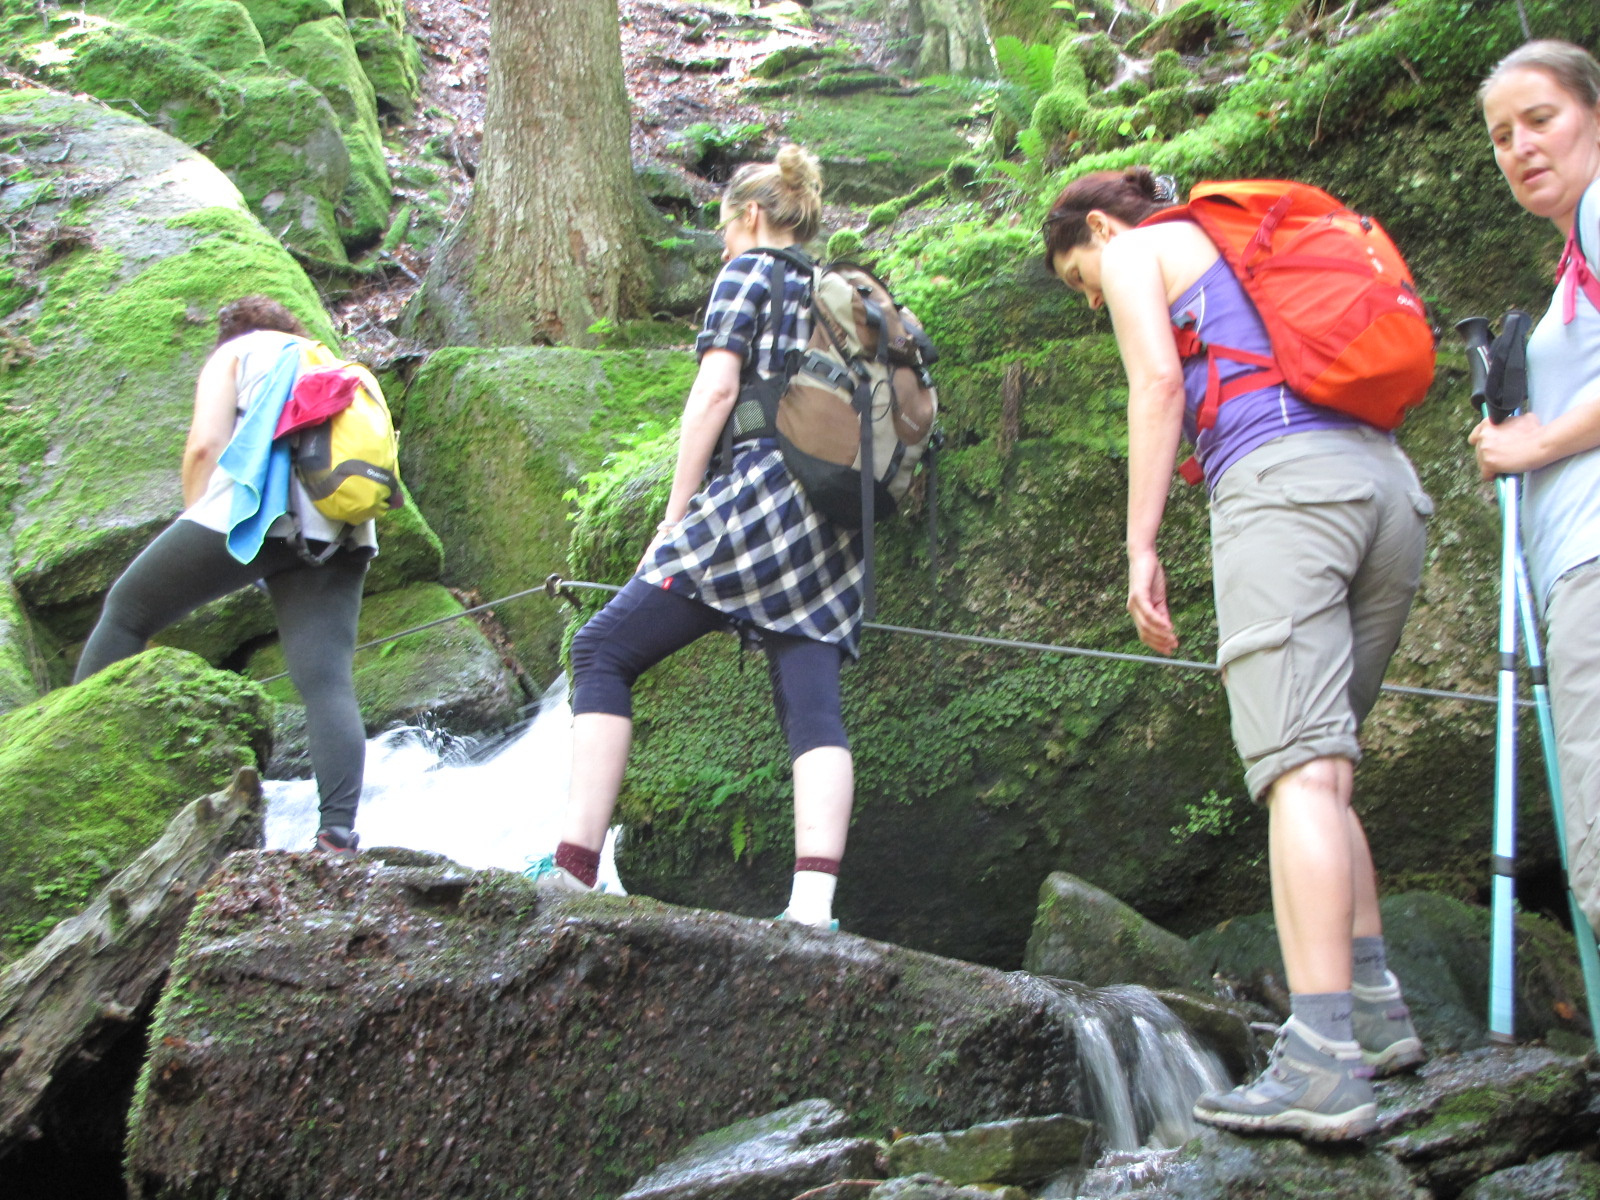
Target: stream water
{"points": [[498, 804]]}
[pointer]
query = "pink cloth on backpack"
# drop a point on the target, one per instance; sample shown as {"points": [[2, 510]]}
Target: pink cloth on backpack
{"points": [[1572, 273], [317, 396]]}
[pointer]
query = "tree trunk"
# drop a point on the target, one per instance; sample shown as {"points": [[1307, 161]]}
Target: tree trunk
{"points": [[940, 37], [550, 244]]}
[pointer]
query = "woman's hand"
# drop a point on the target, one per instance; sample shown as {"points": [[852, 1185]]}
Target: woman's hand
{"points": [[1147, 602], [1513, 446]]}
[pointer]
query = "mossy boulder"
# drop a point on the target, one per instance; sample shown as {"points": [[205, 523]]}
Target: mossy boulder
{"points": [[144, 74], [391, 62], [449, 673], [875, 145], [494, 442], [90, 775], [1083, 934], [144, 253], [1439, 949], [323, 53], [284, 149], [218, 33]]}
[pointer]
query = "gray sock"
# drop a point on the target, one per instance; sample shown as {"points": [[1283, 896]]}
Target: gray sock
{"points": [[1325, 1013], [1369, 965]]}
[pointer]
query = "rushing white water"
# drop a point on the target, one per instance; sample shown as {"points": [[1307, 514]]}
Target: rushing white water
{"points": [[424, 792]]}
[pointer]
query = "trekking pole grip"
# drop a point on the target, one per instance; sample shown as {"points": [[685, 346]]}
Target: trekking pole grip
{"points": [[1474, 332]]}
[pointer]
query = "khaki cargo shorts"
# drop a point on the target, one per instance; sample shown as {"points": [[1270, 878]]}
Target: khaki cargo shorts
{"points": [[1574, 661], [1317, 543]]}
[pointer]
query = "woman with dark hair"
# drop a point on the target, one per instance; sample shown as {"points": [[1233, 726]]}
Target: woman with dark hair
{"points": [[1542, 106], [228, 536], [1317, 530], [743, 549]]}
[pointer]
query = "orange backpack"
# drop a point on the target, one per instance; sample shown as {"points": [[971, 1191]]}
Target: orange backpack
{"points": [[1347, 328]]}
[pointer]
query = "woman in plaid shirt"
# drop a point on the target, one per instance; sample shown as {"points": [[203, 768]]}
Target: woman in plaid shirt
{"points": [[743, 550]]}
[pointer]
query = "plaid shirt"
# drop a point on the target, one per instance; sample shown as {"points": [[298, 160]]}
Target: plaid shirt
{"points": [[751, 545]]}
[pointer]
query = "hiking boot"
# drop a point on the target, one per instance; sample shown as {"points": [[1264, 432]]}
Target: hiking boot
{"points": [[832, 926], [337, 841], [1313, 1088], [1389, 1043], [551, 880]]}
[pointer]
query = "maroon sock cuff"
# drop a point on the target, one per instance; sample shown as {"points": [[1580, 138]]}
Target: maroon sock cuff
{"points": [[828, 866], [584, 864]]}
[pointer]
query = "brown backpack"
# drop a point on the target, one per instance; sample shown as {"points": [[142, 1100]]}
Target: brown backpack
{"points": [[854, 411]]}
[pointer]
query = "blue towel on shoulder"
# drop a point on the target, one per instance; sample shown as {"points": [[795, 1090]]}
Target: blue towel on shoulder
{"points": [[259, 465]]}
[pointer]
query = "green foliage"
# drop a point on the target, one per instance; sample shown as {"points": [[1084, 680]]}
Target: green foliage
{"points": [[1211, 815], [1027, 71], [695, 142]]}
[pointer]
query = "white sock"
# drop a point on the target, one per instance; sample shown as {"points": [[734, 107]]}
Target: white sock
{"points": [[811, 898]]}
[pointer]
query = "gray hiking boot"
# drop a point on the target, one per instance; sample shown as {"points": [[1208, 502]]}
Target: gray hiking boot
{"points": [[1389, 1043], [1313, 1088], [551, 880]]}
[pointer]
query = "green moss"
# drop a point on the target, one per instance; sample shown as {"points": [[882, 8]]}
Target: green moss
{"points": [[145, 75], [1059, 114], [218, 33], [284, 150], [844, 244], [90, 775], [1167, 70], [277, 18], [323, 53], [391, 62], [450, 671], [875, 146]]}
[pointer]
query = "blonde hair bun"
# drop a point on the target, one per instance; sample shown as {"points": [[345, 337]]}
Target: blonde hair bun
{"points": [[800, 168]]}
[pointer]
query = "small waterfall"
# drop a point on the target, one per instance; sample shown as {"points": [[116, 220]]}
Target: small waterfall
{"points": [[1141, 1068], [495, 805]]}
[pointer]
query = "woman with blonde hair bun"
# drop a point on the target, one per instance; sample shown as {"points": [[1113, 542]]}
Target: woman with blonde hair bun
{"points": [[739, 547]]}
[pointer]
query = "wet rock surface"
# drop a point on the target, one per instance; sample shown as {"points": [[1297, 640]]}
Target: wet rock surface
{"points": [[774, 1157], [1466, 1116], [997, 1151], [342, 991]]}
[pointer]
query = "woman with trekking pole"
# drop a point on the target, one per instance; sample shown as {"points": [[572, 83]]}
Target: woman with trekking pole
{"points": [[742, 549], [1317, 526], [1542, 108], [217, 546]]}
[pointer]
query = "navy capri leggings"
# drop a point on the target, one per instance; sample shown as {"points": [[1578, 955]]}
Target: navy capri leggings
{"points": [[643, 624]]}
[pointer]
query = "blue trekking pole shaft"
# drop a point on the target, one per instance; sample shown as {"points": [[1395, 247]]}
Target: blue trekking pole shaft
{"points": [[1582, 932], [1502, 929], [1502, 910]]}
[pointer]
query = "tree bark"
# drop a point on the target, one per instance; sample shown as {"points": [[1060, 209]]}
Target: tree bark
{"points": [[68, 1005], [551, 242]]}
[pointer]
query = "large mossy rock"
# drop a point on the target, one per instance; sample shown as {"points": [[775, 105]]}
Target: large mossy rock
{"points": [[1083, 934], [152, 240], [448, 673], [90, 775], [1439, 949], [495, 440], [278, 94], [433, 1031]]}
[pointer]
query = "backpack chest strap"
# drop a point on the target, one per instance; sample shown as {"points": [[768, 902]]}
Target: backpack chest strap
{"points": [[1572, 273], [1191, 345]]}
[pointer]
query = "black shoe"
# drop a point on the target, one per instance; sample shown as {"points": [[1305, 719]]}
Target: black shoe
{"points": [[337, 841]]}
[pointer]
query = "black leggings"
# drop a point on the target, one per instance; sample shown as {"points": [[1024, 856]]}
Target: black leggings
{"points": [[317, 607], [643, 624]]}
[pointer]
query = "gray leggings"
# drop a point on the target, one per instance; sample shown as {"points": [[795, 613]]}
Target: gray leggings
{"points": [[317, 607]]}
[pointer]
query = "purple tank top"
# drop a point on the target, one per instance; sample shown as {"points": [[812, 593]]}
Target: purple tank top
{"points": [[1224, 315]]}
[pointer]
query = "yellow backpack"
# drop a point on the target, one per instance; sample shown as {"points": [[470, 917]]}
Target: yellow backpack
{"points": [[349, 464]]}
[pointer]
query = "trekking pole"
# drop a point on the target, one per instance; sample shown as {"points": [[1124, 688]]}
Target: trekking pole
{"points": [[1502, 914], [1582, 931]]}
